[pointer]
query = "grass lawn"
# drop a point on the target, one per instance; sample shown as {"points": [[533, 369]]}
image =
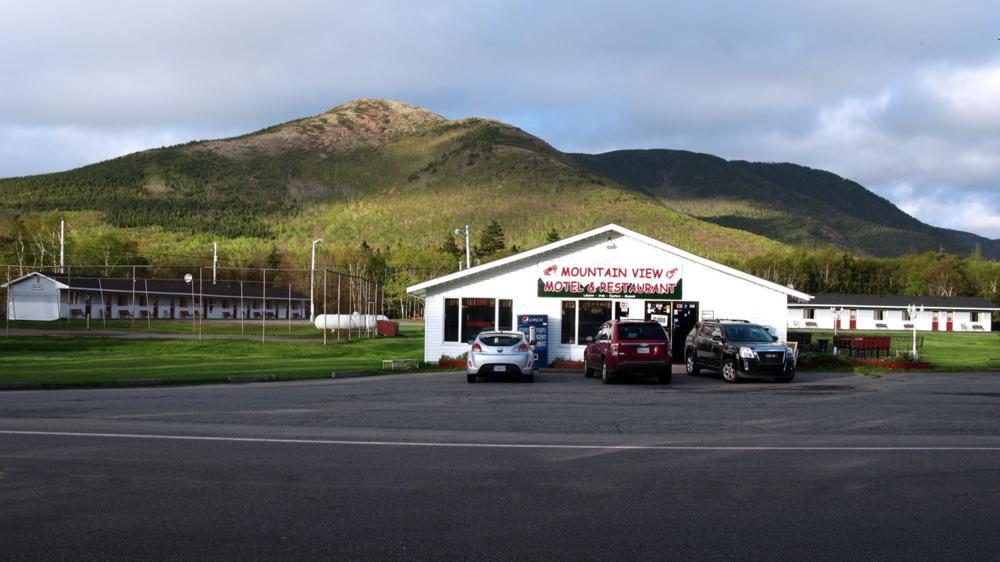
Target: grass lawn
{"points": [[947, 351], [88, 361]]}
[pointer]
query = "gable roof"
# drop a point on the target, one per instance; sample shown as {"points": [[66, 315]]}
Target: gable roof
{"points": [[894, 301], [420, 289], [33, 274]]}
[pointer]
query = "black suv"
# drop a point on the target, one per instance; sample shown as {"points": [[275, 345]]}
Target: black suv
{"points": [[737, 349]]}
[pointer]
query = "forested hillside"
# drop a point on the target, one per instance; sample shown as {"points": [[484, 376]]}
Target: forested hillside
{"points": [[786, 202], [386, 183]]}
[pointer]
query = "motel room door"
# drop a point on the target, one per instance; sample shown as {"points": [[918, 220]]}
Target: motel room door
{"points": [[854, 319], [949, 320], [934, 321]]}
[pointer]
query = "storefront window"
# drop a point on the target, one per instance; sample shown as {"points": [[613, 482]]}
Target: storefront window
{"points": [[568, 332], [477, 315], [593, 314], [451, 320], [506, 315], [621, 309]]}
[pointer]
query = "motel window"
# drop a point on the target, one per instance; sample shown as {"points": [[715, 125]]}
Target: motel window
{"points": [[142, 300], [906, 315], [974, 316], [568, 331], [506, 315], [809, 313], [182, 302], [74, 297], [122, 300], [593, 314], [879, 315], [477, 315], [451, 320]]}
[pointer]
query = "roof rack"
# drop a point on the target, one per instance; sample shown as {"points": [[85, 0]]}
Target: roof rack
{"points": [[732, 320]]}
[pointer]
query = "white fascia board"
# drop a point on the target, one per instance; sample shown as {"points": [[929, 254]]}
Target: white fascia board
{"points": [[34, 274], [420, 289]]}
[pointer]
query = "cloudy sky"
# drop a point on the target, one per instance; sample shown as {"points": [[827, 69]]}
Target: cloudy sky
{"points": [[903, 97]]}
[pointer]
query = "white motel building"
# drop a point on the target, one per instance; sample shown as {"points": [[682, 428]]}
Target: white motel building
{"points": [[890, 312], [576, 284]]}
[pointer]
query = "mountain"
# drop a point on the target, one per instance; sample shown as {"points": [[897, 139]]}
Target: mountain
{"points": [[376, 171], [786, 202]]}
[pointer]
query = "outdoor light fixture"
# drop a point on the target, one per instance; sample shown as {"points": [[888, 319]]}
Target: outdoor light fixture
{"points": [[611, 243]]}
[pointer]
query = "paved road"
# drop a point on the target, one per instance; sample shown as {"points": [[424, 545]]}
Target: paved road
{"points": [[833, 466]]}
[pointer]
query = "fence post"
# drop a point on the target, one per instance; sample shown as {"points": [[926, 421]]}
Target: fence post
{"points": [[243, 312], [263, 304], [339, 276], [131, 313], [7, 307], [325, 317]]}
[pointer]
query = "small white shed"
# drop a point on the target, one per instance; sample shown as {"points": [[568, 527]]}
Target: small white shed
{"points": [[33, 297]]}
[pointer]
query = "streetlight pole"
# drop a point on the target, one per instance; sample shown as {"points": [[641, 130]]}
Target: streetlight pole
{"points": [[312, 282], [468, 252], [914, 312]]}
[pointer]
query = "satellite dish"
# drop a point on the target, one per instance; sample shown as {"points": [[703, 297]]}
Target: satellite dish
{"points": [[188, 278]]}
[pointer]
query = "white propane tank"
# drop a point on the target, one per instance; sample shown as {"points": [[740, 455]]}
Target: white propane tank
{"points": [[353, 321]]}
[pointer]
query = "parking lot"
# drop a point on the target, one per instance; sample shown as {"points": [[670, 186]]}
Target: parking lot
{"points": [[428, 466]]}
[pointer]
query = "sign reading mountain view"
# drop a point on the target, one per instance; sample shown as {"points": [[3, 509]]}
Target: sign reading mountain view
{"points": [[588, 280]]}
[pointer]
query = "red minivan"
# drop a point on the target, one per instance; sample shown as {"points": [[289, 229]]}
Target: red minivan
{"points": [[628, 347]]}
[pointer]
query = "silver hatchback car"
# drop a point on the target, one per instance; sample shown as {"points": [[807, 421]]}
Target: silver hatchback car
{"points": [[501, 353]]}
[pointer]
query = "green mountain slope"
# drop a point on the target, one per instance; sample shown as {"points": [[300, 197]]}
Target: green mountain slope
{"points": [[382, 172], [786, 202]]}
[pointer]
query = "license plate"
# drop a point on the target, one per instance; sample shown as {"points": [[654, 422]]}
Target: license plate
{"points": [[644, 350], [500, 369]]}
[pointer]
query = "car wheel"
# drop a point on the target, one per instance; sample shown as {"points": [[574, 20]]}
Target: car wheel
{"points": [[606, 376], [665, 377], [587, 371], [470, 378], [729, 371], [692, 369]]}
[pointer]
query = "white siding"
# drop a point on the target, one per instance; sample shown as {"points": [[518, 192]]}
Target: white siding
{"points": [[725, 295], [892, 319], [33, 298]]}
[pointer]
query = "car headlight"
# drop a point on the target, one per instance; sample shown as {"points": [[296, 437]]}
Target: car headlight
{"points": [[746, 353]]}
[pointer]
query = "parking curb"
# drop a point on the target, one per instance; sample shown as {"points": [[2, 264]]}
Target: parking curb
{"points": [[251, 378], [352, 374], [139, 382], [20, 385]]}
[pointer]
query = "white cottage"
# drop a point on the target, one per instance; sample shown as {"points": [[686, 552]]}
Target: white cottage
{"points": [[575, 285]]}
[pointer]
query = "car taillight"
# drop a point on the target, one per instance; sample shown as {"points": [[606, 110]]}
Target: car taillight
{"points": [[614, 349], [477, 347], [524, 347]]}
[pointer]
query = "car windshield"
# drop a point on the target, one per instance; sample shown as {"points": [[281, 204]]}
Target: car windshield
{"points": [[747, 332], [641, 332], [498, 340]]}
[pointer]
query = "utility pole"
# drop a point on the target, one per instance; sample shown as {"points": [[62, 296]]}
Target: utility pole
{"points": [[312, 282], [62, 245], [468, 252], [215, 259]]}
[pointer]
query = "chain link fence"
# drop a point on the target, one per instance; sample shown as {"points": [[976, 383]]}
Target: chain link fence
{"points": [[192, 302]]}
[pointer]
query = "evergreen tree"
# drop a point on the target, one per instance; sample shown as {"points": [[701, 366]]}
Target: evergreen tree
{"points": [[448, 246], [492, 240]]}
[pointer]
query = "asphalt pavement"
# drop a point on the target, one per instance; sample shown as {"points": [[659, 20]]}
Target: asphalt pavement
{"points": [[426, 466]]}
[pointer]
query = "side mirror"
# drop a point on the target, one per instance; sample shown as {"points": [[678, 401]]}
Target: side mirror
{"points": [[774, 338], [532, 342], [472, 342], [590, 339], [717, 338]]}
